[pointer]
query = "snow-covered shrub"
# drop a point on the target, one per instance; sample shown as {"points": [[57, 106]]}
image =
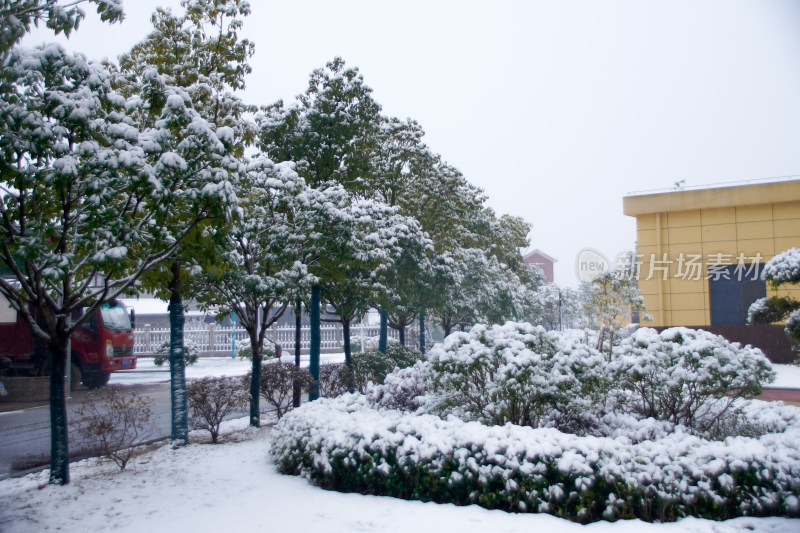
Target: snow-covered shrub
{"points": [[369, 343], [782, 269], [516, 373], [211, 399], [191, 352], [686, 376], [277, 384], [345, 445], [402, 389], [369, 368], [115, 421], [403, 356], [333, 379], [243, 349], [372, 367]]}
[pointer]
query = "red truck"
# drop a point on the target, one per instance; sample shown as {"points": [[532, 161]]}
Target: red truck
{"points": [[103, 344]]}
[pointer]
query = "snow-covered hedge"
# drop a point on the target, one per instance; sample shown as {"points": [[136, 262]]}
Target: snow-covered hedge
{"points": [[518, 418], [346, 445]]}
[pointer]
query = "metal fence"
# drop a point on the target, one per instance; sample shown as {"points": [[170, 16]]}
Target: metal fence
{"points": [[212, 339]]}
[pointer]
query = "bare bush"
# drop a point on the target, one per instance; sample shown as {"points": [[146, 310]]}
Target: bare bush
{"points": [[277, 384], [114, 422], [211, 399]]}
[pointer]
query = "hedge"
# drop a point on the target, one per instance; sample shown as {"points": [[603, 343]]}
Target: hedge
{"points": [[345, 445]]}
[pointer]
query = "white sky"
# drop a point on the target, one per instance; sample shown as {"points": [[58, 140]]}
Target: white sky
{"points": [[555, 109]]}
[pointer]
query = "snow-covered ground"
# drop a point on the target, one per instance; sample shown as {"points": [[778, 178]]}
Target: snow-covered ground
{"points": [[788, 376], [235, 487], [147, 372]]}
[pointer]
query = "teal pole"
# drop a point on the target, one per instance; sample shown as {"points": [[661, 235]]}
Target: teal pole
{"points": [[233, 335], [422, 332], [384, 332], [177, 363], [313, 364]]}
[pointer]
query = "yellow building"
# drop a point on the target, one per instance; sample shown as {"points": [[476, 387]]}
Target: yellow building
{"points": [[700, 252]]}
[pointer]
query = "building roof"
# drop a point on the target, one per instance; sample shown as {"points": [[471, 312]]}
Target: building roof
{"points": [[711, 197], [539, 253]]}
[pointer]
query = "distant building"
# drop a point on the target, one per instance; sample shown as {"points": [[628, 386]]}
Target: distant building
{"points": [[701, 252], [538, 257]]}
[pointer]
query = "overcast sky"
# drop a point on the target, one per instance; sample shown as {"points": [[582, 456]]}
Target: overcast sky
{"points": [[556, 109]]}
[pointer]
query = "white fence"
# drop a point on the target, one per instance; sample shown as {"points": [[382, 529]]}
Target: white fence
{"points": [[211, 339]]}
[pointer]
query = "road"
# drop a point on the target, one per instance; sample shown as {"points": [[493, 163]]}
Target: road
{"points": [[25, 433]]}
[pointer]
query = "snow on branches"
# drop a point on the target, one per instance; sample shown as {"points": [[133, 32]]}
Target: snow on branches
{"points": [[784, 268]]}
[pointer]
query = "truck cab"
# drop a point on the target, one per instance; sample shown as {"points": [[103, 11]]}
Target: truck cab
{"points": [[103, 344]]}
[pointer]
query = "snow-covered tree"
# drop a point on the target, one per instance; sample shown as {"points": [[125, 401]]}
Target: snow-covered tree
{"points": [[264, 255], [509, 235], [88, 200], [200, 51], [445, 204], [199, 56], [781, 270], [400, 177], [17, 16], [330, 132], [610, 300], [359, 245], [190, 155], [398, 174], [551, 306], [478, 289]]}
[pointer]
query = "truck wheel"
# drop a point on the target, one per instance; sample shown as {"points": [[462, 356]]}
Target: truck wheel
{"points": [[95, 380], [75, 378]]}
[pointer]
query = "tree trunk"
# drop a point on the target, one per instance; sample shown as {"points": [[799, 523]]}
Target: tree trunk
{"points": [[422, 333], [348, 357], [313, 363], [383, 339], [401, 335], [297, 390], [177, 363], [255, 379], [59, 439]]}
